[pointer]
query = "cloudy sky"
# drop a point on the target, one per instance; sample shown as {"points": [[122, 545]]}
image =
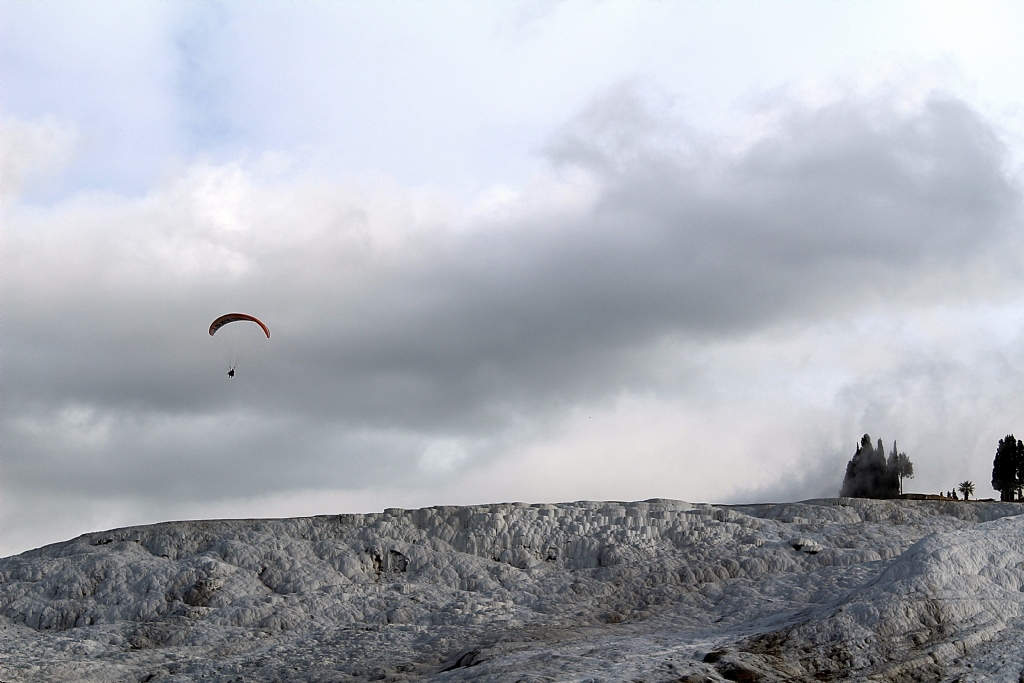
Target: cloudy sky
{"points": [[529, 251]]}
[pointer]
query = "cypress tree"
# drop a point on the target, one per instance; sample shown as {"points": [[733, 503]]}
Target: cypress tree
{"points": [[1020, 468], [900, 467], [867, 475], [1007, 467]]}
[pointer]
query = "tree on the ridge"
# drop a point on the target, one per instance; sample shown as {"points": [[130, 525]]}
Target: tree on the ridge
{"points": [[966, 488], [867, 475], [1017, 474], [1020, 469], [1008, 468], [899, 466]]}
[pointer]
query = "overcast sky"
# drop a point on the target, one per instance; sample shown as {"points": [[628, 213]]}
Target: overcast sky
{"points": [[529, 251]]}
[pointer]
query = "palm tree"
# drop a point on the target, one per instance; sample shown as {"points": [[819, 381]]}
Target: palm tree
{"points": [[966, 488]]}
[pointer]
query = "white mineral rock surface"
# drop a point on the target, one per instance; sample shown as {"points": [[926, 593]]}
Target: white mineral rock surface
{"points": [[656, 591]]}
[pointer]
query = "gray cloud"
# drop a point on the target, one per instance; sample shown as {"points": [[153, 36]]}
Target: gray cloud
{"points": [[834, 210], [400, 320]]}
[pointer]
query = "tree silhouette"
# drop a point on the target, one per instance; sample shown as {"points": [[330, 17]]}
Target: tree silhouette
{"points": [[1008, 468], [867, 475], [966, 488], [899, 465]]}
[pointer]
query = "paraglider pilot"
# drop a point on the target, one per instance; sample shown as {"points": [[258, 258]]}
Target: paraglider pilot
{"points": [[231, 372]]}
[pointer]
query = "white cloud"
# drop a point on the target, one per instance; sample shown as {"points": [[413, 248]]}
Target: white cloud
{"points": [[32, 151], [443, 455]]}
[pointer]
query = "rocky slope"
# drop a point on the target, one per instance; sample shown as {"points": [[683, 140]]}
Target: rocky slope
{"points": [[658, 591]]}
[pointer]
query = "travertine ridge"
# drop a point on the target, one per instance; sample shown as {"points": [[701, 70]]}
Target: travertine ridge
{"points": [[656, 590]]}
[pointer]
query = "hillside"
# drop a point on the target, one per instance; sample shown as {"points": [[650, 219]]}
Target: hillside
{"points": [[654, 591]]}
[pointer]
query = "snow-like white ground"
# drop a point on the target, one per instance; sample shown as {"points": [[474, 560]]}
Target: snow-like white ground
{"points": [[654, 591]]}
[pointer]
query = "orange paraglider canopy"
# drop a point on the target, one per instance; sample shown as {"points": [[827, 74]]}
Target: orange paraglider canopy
{"points": [[236, 317]]}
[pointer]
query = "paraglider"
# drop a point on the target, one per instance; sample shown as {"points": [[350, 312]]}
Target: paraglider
{"points": [[236, 317], [233, 341]]}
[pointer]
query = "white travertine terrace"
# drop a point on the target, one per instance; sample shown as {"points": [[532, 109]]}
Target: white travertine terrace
{"points": [[658, 590]]}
